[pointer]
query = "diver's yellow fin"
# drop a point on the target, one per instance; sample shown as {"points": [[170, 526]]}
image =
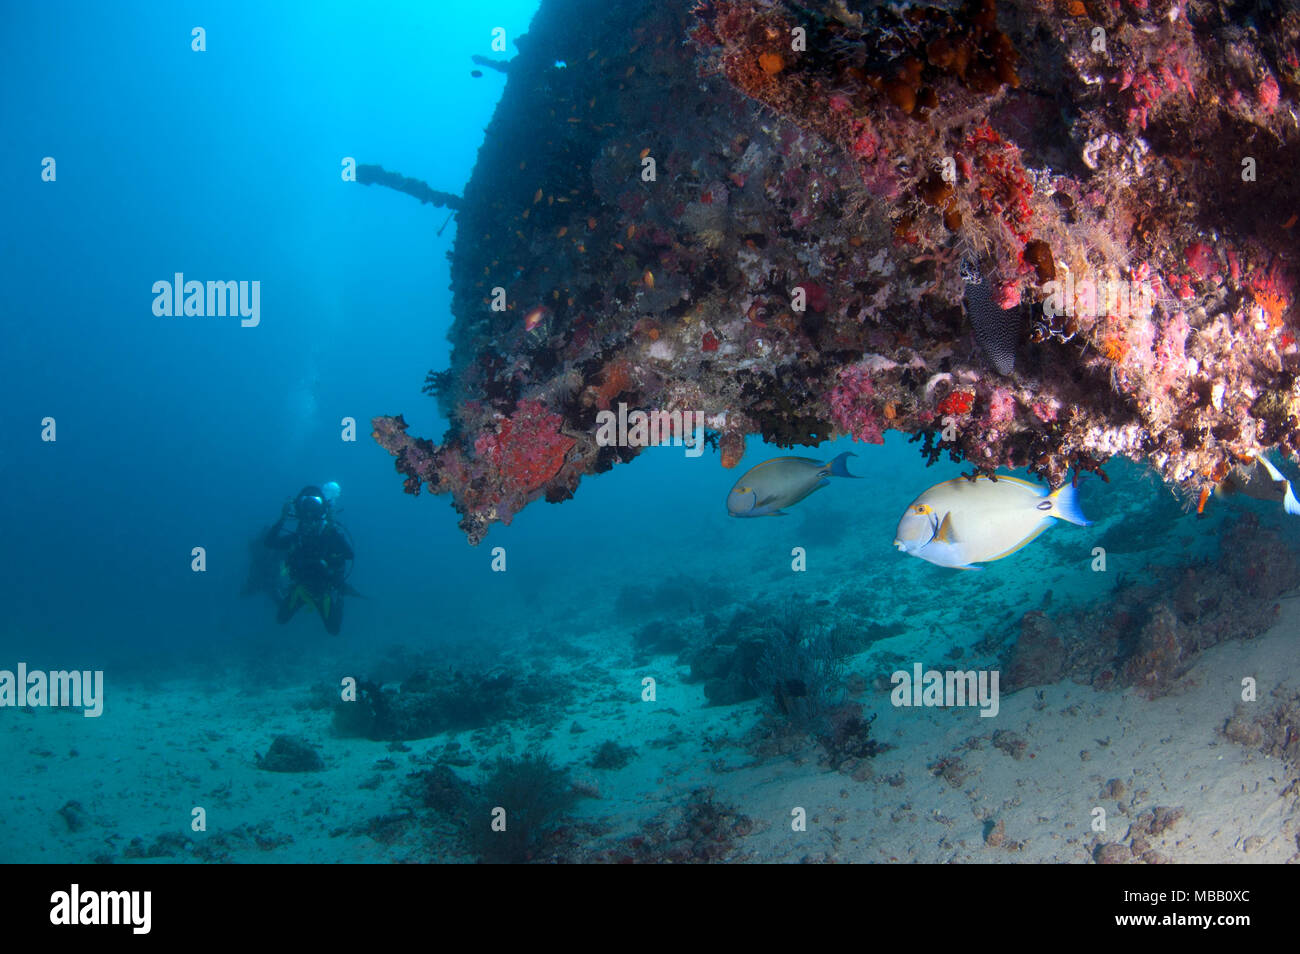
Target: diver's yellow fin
{"points": [[304, 597], [944, 534]]}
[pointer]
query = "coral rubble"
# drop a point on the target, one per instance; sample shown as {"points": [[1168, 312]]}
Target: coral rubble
{"points": [[772, 213]]}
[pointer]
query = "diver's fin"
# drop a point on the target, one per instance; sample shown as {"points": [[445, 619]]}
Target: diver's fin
{"points": [[350, 590], [839, 466]]}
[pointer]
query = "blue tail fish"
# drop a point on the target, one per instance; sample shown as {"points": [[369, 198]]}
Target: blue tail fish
{"points": [[961, 522], [766, 489]]}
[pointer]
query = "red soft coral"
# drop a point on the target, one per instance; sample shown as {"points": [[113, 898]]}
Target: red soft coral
{"points": [[528, 449], [958, 402]]}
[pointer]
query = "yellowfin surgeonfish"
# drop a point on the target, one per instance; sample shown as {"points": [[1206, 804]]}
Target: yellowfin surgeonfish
{"points": [[767, 488], [1260, 479], [960, 522]]}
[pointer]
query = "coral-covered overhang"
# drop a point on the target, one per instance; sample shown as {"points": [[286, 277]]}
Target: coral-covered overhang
{"points": [[763, 211]]}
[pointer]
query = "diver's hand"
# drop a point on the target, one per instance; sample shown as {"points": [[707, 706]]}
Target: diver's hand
{"points": [[287, 510]]}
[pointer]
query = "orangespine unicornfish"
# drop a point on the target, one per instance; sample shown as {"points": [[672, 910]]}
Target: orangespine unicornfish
{"points": [[1257, 477], [767, 488], [962, 521]]}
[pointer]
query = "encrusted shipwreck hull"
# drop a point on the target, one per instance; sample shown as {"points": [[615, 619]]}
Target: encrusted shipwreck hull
{"points": [[815, 219]]}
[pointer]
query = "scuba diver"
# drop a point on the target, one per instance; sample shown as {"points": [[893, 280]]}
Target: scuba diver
{"points": [[318, 556]]}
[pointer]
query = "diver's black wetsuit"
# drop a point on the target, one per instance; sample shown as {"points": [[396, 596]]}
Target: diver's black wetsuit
{"points": [[316, 561]]}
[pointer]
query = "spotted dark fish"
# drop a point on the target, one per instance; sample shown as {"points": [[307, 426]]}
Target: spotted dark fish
{"points": [[997, 330]]}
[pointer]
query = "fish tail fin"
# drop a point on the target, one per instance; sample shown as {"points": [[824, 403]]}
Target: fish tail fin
{"points": [[1289, 503], [1066, 505], [1273, 472], [839, 467]]}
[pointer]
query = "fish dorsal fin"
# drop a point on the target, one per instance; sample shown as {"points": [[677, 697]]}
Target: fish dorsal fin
{"points": [[944, 534], [781, 460]]}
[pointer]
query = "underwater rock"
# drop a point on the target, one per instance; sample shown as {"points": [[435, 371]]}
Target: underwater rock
{"points": [[659, 638], [1155, 658], [386, 829], [1148, 632], [1135, 846], [730, 689], [290, 754], [1010, 743], [1275, 732], [729, 670], [611, 755], [74, 816], [1039, 656], [441, 790], [428, 702], [166, 845], [703, 830], [758, 210], [995, 833], [1113, 854]]}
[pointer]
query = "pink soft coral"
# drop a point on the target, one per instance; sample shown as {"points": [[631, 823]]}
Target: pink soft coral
{"points": [[1002, 406], [852, 407], [1171, 358]]}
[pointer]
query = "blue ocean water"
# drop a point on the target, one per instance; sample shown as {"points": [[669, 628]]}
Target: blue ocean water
{"points": [[175, 433], [225, 164]]}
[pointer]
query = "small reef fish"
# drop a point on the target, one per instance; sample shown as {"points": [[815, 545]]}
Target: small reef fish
{"points": [[1258, 478], [767, 488], [960, 522], [535, 317]]}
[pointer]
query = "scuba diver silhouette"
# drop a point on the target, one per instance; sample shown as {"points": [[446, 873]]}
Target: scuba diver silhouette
{"points": [[317, 558]]}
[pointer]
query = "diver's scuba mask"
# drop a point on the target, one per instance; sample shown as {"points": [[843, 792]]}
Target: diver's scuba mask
{"points": [[309, 509]]}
